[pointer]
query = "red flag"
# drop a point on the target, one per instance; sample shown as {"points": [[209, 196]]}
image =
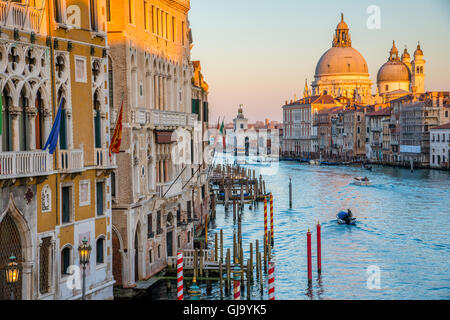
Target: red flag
{"points": [[116, 139]]}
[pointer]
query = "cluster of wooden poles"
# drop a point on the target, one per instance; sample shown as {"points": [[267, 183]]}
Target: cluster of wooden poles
{"points": [[243, 272]]}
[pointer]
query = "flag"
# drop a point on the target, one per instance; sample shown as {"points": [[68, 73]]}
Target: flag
{"points": [[222, 132], [116, 139], [52, 140]]}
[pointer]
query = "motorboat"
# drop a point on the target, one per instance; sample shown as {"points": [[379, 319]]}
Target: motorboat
{"points": [[314, 162], [362, 181], [341, 221]]}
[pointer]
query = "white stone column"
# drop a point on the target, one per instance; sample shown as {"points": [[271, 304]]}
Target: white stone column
{"points": [[31, 127], [14, 113]]}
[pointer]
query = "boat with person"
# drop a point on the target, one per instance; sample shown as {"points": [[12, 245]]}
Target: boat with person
{"points": [[362, 181], [346, 217]]}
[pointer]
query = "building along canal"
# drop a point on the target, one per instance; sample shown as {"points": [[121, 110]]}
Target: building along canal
{"points": [[402, 231]]}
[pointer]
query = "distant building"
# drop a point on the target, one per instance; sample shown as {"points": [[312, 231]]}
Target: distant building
{"points": [[375, 132], [299, 134], [418, 115], [440, 146]]}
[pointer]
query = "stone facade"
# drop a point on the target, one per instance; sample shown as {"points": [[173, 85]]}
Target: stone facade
{"points": [[160, 184], [49, 203]]}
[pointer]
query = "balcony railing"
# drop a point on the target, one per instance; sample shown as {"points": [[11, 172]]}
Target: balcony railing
{"points": [[169, 189], [17, 15], [71, 160], [103, 160], [25, 164]]}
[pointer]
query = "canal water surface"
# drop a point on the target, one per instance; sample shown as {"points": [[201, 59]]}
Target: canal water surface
{"points": [[402, 231]]}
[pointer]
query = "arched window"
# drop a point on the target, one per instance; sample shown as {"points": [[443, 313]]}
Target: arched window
{"points": [[100, 248], [66, 258], [7, 133], [23, 121], [63, 138], [39, 121], [10, 245], [97, 121]]}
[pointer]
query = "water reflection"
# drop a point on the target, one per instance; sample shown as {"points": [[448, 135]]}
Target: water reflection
{"points": [[403, 224]]}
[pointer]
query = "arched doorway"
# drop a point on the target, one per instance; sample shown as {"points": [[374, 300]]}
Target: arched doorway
{"points": [[136, 252], [10, 245], [117, 258]]}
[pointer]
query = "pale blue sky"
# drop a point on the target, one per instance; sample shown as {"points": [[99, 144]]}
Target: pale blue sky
{"points": [[259, 52]]}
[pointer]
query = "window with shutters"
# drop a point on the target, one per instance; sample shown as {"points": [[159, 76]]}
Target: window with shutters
{"points": [[45, 265], [66, 210], [100, 186]]}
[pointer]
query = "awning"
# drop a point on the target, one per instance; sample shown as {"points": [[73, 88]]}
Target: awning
{"points": [[165, 137]]}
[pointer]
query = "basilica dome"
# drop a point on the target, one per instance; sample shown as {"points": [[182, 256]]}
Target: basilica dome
{"points": [[341, 60], [393, 71], [342, 70]]}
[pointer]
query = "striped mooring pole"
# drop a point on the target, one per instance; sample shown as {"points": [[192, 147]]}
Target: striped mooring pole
{"points": [[271, 280], [180, 276], [265, 219], [271, 219], [237, 281]]}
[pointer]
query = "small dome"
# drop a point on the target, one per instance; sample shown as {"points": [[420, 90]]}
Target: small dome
{"points": [[405, 54], [418, 51], [341, 60], [393, 71]]}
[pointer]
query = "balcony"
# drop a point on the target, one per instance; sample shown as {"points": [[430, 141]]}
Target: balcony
{"points": [[169, 189], [71, 160], [18, 15], [160, 118], [102, 159], [25, 164]]}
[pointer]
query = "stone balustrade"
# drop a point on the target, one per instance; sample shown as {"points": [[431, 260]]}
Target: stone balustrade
{"points": [[18, 15], [19, 164], [71, 160], [103, 160]]}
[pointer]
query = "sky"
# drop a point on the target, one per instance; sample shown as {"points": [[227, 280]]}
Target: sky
{"points": [[259, 52]]}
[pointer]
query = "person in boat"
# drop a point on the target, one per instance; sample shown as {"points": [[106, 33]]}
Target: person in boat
{"points": [[349, 217], [346, 216], [365, 179]]}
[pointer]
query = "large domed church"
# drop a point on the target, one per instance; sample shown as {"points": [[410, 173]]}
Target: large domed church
{"points": [[342, 71]]}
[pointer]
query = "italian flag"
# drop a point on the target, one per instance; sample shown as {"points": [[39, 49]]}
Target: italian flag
{"points": [[222, 133]]}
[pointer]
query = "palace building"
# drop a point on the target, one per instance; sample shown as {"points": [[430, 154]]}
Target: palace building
{"points": [[160, 190], [53, 61]]}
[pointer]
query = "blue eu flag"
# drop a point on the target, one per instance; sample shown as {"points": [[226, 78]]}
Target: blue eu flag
{"points": [[52, 140]]}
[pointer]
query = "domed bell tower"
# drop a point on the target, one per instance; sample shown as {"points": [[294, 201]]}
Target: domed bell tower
{"points": [[342, 36], [406, 59], [418, 71]]}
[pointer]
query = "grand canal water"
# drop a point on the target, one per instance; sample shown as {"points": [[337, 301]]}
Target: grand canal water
{"points": [[403, 229]]}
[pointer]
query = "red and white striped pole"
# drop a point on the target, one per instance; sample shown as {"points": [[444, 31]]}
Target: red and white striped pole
{"points": [[237, 281], [271, 219], [180, 276], [271, 280], [265, 220]]}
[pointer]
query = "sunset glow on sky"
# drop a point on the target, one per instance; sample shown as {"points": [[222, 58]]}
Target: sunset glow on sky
{"points": [[259, 52]]}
